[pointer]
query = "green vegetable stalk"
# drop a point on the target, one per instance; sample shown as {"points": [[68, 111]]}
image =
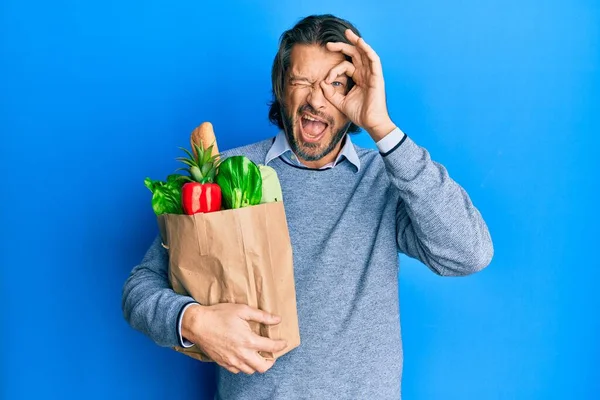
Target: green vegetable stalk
{"points": [[240, 181], [166, 196]]}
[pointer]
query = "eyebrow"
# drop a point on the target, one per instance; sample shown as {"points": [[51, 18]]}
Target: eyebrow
{"points": [[298, 78], [342, 76]]}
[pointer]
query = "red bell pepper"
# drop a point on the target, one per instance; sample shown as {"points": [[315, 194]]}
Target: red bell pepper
{"points": [[200, 197]]}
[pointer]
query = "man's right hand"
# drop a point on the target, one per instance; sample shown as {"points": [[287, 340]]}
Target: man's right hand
{"points": [[223, 333]]}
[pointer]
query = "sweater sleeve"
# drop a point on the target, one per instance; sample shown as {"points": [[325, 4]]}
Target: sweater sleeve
{"points": [[148, 302], [436, 222]]}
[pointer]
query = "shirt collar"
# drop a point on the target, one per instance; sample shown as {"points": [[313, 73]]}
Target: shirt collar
{"points": [[281, 147]]}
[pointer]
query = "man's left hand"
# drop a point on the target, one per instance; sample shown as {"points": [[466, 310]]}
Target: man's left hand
{"points": [[365, 104]]}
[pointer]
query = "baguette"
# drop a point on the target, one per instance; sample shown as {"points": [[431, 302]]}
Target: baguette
{"points": [[204, 136]]}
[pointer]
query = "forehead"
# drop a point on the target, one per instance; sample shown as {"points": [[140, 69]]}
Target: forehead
{"points": [[313, 61]]}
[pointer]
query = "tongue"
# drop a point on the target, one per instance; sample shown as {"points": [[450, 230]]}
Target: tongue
{"points": [[313, 128]]}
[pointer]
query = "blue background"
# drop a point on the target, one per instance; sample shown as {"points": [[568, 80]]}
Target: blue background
{"points": [[97, 95]]}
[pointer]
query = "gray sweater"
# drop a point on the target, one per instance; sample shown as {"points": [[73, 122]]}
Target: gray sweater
{"points": [[346, 227]]}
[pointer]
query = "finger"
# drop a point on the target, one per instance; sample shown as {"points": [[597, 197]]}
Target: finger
{"points": [[258, 363], [373, 59], [260, 343], [345, 67], [245, 368], [354, 40], [231, 364], [352, 37], [332, 95], [253, 314], [233, 370], [348, 50], [369, 56]]}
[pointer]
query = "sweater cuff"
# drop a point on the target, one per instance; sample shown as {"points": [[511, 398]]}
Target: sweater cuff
{"points": [[390, 141], [182, 341], [390, 147], [406, 160]]}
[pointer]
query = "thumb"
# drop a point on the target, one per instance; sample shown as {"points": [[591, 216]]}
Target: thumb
{"points": [[335, 98], [253, 314]]}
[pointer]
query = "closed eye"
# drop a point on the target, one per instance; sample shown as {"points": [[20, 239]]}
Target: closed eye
{"points": [[299, 81]]}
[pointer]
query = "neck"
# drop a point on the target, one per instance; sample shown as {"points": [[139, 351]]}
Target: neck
{"points": [[327, 159]]}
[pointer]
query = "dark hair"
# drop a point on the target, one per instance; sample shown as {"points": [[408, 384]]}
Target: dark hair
{"points": [[314, 29]]}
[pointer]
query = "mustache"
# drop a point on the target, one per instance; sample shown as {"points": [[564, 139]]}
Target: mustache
{"points": [[308, 108]]}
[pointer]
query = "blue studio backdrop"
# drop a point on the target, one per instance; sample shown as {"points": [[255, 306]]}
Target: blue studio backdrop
{"points": [[97, 95]]}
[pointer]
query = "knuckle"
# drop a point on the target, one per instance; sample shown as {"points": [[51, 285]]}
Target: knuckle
{"points": [[249, 342], [240, 308], [245, 342], [232, 361]]}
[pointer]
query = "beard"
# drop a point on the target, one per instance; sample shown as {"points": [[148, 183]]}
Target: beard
{"points": [[311, 151]]}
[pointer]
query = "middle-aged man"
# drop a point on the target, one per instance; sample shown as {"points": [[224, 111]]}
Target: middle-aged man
{"points": [[350, 210]]}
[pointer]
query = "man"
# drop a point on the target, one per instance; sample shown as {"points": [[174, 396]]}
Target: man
{"points": [[350, 211]]}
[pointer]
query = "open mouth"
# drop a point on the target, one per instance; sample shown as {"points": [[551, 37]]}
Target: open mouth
{"points": [[312, 128]]}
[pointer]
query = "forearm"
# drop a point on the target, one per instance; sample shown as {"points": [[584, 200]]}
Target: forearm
{"points": [[436, 220], [149, 304]]}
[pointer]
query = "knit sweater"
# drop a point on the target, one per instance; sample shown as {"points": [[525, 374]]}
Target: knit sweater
{"points": [[347, 226]]}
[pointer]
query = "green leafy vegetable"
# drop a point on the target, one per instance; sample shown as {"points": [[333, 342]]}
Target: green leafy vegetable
{"points": [[240, 181], [271, 187], [166, 196]]}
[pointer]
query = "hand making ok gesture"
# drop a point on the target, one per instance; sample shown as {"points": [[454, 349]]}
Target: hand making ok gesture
{"points": [[365, 103]]}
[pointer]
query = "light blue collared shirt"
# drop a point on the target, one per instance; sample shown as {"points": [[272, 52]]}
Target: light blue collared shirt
{"points": [[281, 147]]}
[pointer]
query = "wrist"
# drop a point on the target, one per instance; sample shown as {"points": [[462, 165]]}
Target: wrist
{"points": [[190, 320], [381, 130]]}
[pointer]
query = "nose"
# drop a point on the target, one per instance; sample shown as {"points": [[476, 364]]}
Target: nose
{"points": [[316, 98]]}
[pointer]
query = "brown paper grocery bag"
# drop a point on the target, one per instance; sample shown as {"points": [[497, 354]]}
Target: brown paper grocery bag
{"points": [[239, 256]]}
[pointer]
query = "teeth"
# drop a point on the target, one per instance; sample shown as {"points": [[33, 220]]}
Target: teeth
{"points": [[310, 118]]}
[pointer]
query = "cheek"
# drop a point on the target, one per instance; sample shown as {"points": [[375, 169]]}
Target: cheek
{"points": [[297, 97], [339, 118]]}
